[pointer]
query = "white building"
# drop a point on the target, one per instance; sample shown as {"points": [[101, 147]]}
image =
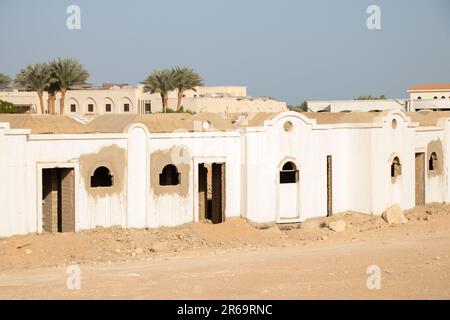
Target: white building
{"points": [[126, 99], [58, 174], [356, 105], [433, 96]]}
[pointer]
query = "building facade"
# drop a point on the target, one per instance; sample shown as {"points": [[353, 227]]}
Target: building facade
{"points": [[124, 99], [434, 96], [59, 174]]}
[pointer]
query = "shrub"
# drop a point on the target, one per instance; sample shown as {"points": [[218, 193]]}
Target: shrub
{"points": [[8, 107]]}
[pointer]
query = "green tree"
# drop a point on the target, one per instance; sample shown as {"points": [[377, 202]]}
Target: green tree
{"points": [[370, 97], [185, 79], [35, 77], [67, 73], [8, 107], [162, 82], [303, 107], [5, 80]]}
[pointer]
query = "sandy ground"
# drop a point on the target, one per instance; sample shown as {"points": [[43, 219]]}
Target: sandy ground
{"points": [[236, 260]]}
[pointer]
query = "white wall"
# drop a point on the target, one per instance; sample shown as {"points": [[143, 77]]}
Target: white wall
{"points": [[203, 147], [361, 152], [356, 105]]}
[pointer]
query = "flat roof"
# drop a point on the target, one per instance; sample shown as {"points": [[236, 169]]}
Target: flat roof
{"points": [[172, 122], [45, 124], [430, 87], [343, 117], [427, 118], [159, 122]]}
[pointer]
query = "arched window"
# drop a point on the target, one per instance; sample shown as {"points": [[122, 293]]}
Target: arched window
{"points": [[289, 173], [443, 97], [419, 98], [101, 178], [432, 162], [396, 168], [435, 97], [169, 176]]}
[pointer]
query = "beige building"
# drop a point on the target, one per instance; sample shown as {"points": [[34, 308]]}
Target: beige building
{"points": [[121, 98]]}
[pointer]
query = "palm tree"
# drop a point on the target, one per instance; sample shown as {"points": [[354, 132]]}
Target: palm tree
{"points": [[35, 77], [52, 90], [162, 82], [5, 80], [185, 79], [67, 73]]}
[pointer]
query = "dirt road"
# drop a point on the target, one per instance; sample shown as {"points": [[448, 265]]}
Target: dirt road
{"points": [[235, 260], [410, 268]]}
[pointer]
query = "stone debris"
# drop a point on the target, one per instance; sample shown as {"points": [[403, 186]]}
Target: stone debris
{"points": [[394, 215], [337, 226]]}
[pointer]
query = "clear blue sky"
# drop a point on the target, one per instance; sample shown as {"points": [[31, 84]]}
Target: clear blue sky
{"points": [[289, 49]]}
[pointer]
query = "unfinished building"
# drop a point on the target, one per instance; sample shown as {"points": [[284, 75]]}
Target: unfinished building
{"points": [[61, 175]]}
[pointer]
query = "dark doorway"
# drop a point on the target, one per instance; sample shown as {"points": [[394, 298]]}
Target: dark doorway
{"points": [[329, 186], [58, 200], [420, 179], [202, 191], [211, 191]]}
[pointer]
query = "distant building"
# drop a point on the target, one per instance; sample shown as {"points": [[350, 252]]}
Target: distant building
{"points": [[122, 98], [356, 105], [434, 96]]}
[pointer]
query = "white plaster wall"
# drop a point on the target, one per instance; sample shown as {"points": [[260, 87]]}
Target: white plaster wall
{"points": [[356, 105], [21, 162], [14, 190], [173, 209], [362, 155], [435, 186], [268, 150], [386, 144], [138, 176], [359, 169], [91, 210]]}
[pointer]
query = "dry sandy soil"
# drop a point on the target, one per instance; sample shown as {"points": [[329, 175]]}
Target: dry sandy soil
{"points": [[236, 260]]}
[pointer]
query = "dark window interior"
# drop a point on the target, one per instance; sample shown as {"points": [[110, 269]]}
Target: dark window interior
{"points": [[126, 107], [289, 173], [73, 108], [102, 178], [432, 162], [90, 107], [148, 107], [396, 168], [169, 176], [108, 107]]}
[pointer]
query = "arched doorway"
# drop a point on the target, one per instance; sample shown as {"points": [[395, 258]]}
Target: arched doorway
{"points": [[288, 192]]}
